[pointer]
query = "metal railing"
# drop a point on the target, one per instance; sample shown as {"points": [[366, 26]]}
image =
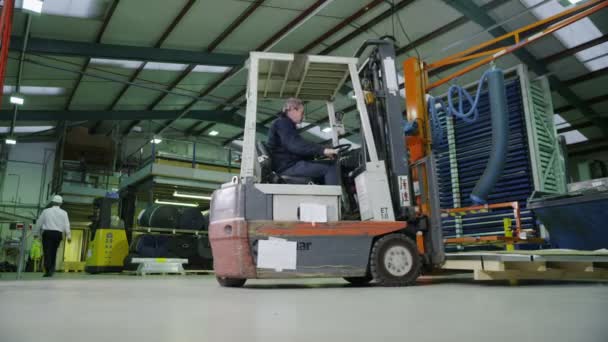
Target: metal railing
{"points": [[184, 151], [92, 176]]}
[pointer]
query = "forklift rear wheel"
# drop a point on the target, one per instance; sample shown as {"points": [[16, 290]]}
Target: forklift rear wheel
{"points": [[231, 282], [359, 281], [395, 261]]}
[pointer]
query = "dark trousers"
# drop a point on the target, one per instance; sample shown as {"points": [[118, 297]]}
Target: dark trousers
{"points": [[325, 170], [50, 242]]}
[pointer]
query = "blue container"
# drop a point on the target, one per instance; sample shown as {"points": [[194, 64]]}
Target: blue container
{"points": [[575, 221]]}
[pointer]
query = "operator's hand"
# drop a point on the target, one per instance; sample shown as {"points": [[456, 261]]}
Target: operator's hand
{"points": [[69, 240], [330, 153]]}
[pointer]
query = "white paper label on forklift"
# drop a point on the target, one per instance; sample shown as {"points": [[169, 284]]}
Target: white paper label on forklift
{"points": [[391, 75], [277, 254], [313, 212]]}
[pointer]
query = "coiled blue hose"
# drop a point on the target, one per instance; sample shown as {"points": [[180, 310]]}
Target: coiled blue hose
{"points": [[451, 110]]}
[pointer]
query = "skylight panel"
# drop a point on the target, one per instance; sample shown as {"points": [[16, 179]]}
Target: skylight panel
{"points": [[158, 66], [573, 137], [35, 90], [574, 34], [25, 129], [89, 9]]}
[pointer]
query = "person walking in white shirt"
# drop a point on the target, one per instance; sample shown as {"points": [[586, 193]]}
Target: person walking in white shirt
{"points": [[53, 222]]}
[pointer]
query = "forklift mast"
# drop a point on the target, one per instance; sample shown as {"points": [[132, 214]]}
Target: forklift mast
{"points": [[384, 106]]}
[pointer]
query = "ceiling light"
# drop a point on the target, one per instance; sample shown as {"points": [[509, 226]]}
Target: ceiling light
{"points": [[16, 99], [176, 203], [214, 133], [185, 195], [575, 1], [327, 129], [10, 141], [156, 140]]}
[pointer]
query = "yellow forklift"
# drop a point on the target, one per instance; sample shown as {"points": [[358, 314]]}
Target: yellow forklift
{"points": [[109, 246]]}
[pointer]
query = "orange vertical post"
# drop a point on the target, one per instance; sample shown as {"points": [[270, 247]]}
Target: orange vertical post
{"points": [[6, 23], [415, 104]]}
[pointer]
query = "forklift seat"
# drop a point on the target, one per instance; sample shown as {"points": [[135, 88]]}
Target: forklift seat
{"points": [[269, 176]]}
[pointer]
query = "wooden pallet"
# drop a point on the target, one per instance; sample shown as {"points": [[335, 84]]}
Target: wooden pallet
{"points": [[199, 272], [532, 265], [73, 266], [152, 273]]}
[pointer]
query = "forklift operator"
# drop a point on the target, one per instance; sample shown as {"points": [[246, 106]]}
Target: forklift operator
{"points": [[291, 154]]}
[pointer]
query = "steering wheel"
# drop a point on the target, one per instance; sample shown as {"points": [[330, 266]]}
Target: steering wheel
{"points": [[342, 148]]}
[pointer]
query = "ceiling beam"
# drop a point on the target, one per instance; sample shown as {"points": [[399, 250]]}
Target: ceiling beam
{"points": [[303, 17], [223, 117], [569, 52], [209, 49], [481, 17], [373, 22], [102, 30], [157, 45], [588, 102], [163, 37], [446, 28], [117, 115], [235, 24], [587, 147], [578, 126], [586, 77], [69, 48], [344, 23]]}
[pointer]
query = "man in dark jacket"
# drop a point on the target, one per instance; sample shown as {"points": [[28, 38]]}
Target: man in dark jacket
{"points": [[291, 154]]}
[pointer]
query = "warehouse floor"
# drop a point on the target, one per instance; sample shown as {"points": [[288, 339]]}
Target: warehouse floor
{"points": [[194, 308]]}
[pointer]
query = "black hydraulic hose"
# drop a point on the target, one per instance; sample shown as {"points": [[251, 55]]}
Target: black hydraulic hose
{"points": [[500, 137]]}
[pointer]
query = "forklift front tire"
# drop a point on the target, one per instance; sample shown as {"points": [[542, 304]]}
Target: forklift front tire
{"points": [[231, 282], [394, 261]]}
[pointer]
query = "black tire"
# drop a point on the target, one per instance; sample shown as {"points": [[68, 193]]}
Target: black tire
{"points": [[231, 282], [359, 281], [403, 265]]}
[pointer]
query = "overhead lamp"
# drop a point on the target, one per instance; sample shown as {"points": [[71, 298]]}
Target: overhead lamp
{"points": [[185, 195], [10, 141], [214, 133], [567, 3], [176, 203], [327, 129], [17, 100], [156, 140]]}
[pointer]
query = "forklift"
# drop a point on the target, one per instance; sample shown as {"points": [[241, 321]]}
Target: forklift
{"points": [[383, 223], [264, 225], [108, 246]]}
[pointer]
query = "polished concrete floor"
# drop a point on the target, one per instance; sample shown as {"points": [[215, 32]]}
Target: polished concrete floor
{"points": [[195, 308]]}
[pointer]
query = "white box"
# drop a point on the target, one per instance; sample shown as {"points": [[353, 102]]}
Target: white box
{"points": [[373, 194]]}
